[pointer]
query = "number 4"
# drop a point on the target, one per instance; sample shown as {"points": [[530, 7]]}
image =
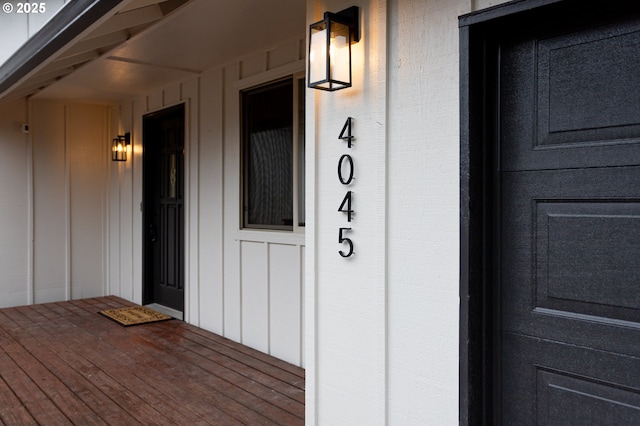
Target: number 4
{"points": [[347, 129], [347, 201]]}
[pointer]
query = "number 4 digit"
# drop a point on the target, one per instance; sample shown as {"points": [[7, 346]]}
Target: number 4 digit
{"points": [[347, 201], [347, 129]]}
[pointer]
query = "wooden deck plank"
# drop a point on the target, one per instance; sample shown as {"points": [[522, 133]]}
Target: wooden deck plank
{"points": [[241, 403], [62, 363], [259, 359], [296, 374], [282, 370], [277, 368], [243, 390], [234, 398], [31, 397], [46, 380], [112, 401], [235, 371], [131, 355], [185, 383], [254, 361], [12, 411], [258, 370]]}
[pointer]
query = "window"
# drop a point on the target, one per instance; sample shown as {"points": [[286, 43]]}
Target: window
{"points": [[273, 155]]}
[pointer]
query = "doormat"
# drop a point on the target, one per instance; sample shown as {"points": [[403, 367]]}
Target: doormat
{"points": [[134, 315]]}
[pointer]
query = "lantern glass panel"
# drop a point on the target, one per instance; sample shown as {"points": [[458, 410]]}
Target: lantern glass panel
{"points": [[329, 54], [339, 52], [318, 70], [118, 150]]}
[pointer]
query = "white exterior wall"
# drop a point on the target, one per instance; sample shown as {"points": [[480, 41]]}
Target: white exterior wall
{"points": [[243, 284], [423, 206], [53, 216], [347, 333], [15, 189], [383, 328], [69, 199]]}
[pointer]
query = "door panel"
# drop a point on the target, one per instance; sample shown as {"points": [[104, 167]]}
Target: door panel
{"points": [[569, 223], [554, 383], [570, 262], [573, 98]]}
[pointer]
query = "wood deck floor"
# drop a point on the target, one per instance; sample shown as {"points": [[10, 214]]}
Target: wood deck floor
{"points": [[62, 363]]}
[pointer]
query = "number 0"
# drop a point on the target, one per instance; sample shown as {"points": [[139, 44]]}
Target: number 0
{"points": [[350, 162]]}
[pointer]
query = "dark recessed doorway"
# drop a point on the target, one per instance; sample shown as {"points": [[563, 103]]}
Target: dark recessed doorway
{"points": [[163, 208]]}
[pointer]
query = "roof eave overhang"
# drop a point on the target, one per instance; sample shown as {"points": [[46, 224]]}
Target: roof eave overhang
{"points": [[63, 28]]}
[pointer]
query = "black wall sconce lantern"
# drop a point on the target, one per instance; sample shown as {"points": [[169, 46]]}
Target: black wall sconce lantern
{"points": [[330, 40], [119, 147]]}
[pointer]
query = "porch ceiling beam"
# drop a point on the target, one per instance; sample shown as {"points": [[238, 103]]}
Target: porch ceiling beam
{"points": [[137, 4], [124, 20], [151, 64], [32, 88], [44, 79], [66, 25], [70, 61], [99, 44]]}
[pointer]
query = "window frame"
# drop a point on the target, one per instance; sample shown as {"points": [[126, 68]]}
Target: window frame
{"points": [[298, 163]]}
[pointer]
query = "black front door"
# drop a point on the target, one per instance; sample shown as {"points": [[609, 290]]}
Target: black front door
{"points": [[163, 139], [567, 217]]}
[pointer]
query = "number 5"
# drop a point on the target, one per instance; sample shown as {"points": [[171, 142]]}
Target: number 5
{"points": [[342, 239]]}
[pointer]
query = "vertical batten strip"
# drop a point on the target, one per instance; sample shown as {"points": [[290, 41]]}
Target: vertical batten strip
{"points": [[268, 283], [31, 210], [301, 249], [67, 205], [194, 126], [105, 160]]}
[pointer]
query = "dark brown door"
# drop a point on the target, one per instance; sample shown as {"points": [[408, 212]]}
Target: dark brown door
{"points": [[568, 218], [164, 207]]}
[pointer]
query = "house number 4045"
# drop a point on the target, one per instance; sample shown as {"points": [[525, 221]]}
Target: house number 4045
{"points": [[345, 176]]}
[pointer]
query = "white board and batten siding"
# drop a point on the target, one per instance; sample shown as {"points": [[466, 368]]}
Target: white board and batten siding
{"points": [[54, 191], [15, 189], [69, 174], [246, 285]]}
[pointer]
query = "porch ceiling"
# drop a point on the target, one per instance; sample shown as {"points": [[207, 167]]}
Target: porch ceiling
{"points": [[140, 45]]}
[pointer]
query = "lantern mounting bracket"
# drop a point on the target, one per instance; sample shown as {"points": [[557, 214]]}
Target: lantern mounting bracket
{"points": [[349, 16]]}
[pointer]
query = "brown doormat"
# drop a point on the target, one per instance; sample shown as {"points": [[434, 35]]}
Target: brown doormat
{"points": [[134, 315]]}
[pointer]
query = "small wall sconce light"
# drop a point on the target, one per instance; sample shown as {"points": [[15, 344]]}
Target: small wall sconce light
{"points": [[330, 40], [119, 147]]}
